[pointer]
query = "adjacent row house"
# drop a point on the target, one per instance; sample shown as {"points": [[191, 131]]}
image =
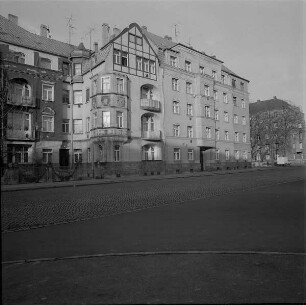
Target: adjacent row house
{"points": [[139, 104]]}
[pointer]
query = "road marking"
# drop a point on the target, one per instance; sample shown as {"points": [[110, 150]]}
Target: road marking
{"points": [[150, 253]]}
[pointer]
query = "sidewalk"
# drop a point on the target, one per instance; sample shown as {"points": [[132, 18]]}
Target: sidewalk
{"points": [[43, 185]]}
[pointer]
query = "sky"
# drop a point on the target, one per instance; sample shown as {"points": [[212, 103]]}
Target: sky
{"points": [[262, 41]]}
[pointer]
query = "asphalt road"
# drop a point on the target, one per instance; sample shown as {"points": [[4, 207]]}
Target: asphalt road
{"points": [[243, 247]]}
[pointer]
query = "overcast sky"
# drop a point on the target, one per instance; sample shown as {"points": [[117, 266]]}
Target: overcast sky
{"points": [[263, 41]]}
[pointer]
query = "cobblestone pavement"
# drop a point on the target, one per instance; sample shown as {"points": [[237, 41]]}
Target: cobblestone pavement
{"points": [[24, 210]]}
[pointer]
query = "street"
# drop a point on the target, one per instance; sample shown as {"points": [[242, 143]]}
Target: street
{"points": [[214, 239]]}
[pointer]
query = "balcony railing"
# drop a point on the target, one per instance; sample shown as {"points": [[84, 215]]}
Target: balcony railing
{"points": [[151, 135], [148, 104], [108, 132], [21, 100], [111, 100], [13, 134]]}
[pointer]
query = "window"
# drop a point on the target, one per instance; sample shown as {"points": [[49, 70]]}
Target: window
{"points": [[77, 155], [77, 69], [48, 92], [47, 123], [235, 119], [226, 135], [244, 137], [176, 130], [223, 79], [208, 132], [206, 90], [217, 115], [65, 126], [176, 107], [234, 83], [236, 136], [149, 153], [78, 126], [301, 145], [105, 119], [207, 111], [116, 153], [77, 97], [119, 117], [177, 153], [237, 154], [217, 154], [45, 63], [21, 154], [225, 98], [117, 57], [66, 96], [124, 59], [227, 155], [242, 86], [139, 63], [88, 124], [189, 132], [214, 74], [243, 120], [88, 155], [47, 155], [190, 154], [173, 61], [225, 116], [87, 95], [152, 67], [188, 66], [245, 155], [65, 69], [175, 84], [105, 84], [235, 100], [94, 87], [202, 70], [19, 57], [146, 67], [215, 95], [188, 87], [120, 83], [243, 103], [217, 134], [189, 109]]}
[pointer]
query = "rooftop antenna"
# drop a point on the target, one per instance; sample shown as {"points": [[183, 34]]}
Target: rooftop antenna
{"points": [[176, 30], [70, 27]]}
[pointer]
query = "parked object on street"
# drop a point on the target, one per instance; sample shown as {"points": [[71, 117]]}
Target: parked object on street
{"points": [[282, 161]]}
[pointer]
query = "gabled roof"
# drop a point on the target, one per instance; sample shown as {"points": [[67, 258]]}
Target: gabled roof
{"points": [[227, 70], [268, 105], [160, 42], [16, 35]]}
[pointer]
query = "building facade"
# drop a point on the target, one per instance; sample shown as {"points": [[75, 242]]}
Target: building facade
{"points": [[139, 104], [277, 129]]}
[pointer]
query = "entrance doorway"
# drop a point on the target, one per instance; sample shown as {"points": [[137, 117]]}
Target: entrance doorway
{"points": [[64, 157]]}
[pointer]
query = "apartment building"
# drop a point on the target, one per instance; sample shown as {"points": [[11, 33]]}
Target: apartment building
{"points": [[138, 104]]}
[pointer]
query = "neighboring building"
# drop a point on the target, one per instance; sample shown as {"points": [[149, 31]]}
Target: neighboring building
{"points": [[139, 104], [277, 129]]}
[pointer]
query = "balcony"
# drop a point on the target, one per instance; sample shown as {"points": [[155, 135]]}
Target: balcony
{"points": [[151, 135], [110, 100], [13, 134], [109, 132], [150, 104], [21, 100]]}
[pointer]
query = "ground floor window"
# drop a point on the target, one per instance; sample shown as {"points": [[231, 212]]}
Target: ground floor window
{"points": [[227, 154], [47, 155], [177, 154], [117, 153], [149, 153], [190, 154], [17, 154], [217, 154], [77, 155]]}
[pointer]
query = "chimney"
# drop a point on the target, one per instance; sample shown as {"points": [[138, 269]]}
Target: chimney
{"points": [[116, 31], [274, 97], [13, 18], [44, 30], [96, 47], [258, 100], [144, 27], [168, 37], [105, 34]]}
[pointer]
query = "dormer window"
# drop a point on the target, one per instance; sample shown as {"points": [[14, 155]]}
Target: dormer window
{"points": [[214, 74], [173, 61], [188, 66], [201, 70]]}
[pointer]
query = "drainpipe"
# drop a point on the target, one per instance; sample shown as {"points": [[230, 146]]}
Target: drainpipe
{"points": [[71, 99]]}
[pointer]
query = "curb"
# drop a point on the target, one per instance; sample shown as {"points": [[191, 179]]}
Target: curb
{"points": [[92, 182]]}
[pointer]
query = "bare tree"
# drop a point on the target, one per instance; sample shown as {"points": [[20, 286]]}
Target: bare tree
{"points": [[272, 131]]}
